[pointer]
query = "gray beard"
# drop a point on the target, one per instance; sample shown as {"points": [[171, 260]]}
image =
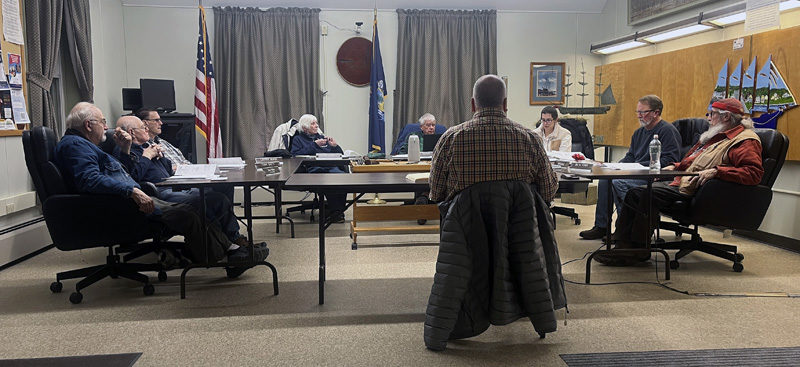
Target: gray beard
{"points": [[711, 132]]}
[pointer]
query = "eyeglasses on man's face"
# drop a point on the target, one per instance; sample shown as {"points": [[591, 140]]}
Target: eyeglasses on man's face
{"points": [[155, 120], [642, 113], [101, 121]]}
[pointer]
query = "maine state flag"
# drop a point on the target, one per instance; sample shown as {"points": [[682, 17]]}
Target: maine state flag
{"points": [[377, 92]]}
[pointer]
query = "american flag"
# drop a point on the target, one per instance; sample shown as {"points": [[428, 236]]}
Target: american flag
{"points": [[205, 95]]}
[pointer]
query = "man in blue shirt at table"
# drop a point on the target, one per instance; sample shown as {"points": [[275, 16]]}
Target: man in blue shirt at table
{"points": [[648, 110], [146, 162], [88, 169]]}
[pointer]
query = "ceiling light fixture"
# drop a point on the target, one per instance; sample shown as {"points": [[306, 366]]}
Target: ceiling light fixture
{"points": [[680, 32], [619, 47]]}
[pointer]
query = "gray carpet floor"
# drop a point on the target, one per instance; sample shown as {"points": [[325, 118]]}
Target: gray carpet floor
{"points": [[375, 305]]}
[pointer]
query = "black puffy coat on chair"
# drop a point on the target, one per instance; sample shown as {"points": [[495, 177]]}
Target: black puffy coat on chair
{"points": [[690, 130], [498, 261]]}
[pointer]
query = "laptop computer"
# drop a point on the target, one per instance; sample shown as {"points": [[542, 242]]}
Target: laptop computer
{"points": [[429, 142]]}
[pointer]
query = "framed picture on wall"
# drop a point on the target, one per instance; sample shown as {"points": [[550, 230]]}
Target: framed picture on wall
{"points": [[547, 83]]}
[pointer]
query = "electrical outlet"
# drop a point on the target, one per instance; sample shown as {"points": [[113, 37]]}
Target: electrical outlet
{"points": [[324, 30]]}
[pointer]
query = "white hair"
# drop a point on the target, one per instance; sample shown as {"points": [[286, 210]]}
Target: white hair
{"points": [[304, 123], [81, 112], [426, 117]]}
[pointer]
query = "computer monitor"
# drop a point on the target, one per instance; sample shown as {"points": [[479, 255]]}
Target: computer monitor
{"points": [[429, 142], [158, 94], [131, 99]]}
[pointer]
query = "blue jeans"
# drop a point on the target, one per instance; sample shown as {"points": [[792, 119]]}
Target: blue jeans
{"points": [[619, 189], [218, 207]]}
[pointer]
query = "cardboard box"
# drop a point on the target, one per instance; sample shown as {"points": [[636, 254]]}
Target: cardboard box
{"points": [[581, 198]]}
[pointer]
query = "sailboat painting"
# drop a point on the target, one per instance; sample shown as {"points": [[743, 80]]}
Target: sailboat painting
{"points": [[764, 94], [735, 82], [721, 89], [749, 85]]}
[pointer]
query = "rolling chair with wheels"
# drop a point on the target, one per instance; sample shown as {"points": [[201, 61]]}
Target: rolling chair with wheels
{"points": [[728, 205], [83, 221], [581, 142]]}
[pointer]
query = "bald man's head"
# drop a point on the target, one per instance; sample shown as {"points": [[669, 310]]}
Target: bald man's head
{"points": [[489, 91]]}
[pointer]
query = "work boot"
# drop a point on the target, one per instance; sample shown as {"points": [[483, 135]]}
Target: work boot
{"points": [[595, 233]]}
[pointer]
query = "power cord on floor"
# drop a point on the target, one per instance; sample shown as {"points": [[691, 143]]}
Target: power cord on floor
{"points": [[685, 292]]}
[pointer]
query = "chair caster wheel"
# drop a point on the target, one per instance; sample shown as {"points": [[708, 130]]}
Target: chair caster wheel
{"points": [[661, 241], [162, 276], [738, 267], [577, 221], [354, 246], [56, 287], [75, 298], [541, 335], [674, 264], [422, 221], [739, 257], [148, 289]]}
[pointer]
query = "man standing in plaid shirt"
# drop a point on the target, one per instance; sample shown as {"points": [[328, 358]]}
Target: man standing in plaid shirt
{"points": [[489, 147]]}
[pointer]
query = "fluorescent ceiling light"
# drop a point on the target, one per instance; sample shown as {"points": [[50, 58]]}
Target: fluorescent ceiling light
{"points": [[730, 19], [675, 33], [620, 47], [786, 5]]}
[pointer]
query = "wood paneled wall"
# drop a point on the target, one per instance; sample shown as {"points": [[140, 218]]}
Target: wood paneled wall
{"points": [[685, 80]]}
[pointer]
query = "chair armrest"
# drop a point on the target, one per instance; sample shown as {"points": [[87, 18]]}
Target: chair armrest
{"points": [[149, 188], [77, 221], [730, 204]]}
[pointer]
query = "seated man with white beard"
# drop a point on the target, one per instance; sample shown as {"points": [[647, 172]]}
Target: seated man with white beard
{"points": [[729, 151]]}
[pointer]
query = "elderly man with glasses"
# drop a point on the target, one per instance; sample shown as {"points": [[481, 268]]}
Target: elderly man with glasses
{"points": [[730, 151], [648, 110], [152, 122], [88, 169]]}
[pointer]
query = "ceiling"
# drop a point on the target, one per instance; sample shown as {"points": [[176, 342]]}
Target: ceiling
{"points": [[566, 6]]}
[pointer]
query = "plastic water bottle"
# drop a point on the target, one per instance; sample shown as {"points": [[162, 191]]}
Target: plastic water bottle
{"points": [[655, 154], [413, 148]]}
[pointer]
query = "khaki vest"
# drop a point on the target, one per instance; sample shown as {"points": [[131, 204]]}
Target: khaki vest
{"points": [[711, 157]]}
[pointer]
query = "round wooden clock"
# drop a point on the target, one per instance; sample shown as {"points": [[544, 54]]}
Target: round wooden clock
{"points": [[354, 59]]}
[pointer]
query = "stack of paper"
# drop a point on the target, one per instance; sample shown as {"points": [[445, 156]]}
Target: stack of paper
{"points": [[626, 166], [418, 177], [328, 156], [233, 162], [196, 171]]}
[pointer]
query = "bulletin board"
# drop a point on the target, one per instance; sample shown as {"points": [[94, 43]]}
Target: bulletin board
{"points": [[685, 80], [8, 47]]}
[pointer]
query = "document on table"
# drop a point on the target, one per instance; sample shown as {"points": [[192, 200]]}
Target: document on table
{"points": [[328, 156], [196, 171], [418, 177], [233, 162], [626, 166]]}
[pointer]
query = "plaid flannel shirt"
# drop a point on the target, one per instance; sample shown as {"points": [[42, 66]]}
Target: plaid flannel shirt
{"points": [[170, 151], [490, 147]]}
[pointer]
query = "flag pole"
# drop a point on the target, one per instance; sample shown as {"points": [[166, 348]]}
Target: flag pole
{"points": [[376, 199]]}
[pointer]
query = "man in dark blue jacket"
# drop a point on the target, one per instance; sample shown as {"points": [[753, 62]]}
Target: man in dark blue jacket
{"points": [[87, 169], [146, 163], [648, 110]]}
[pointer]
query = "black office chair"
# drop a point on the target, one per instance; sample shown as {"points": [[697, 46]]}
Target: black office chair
{"points": [[728, 205], [81, 221], [690, 130], [581, 142]]}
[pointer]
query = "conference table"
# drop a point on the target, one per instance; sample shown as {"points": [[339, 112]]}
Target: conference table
{"points": [[599, 172], [291, 176], [370, 182]]}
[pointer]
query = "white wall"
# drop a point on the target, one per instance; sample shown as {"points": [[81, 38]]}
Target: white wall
{"points": [[149, 52]]}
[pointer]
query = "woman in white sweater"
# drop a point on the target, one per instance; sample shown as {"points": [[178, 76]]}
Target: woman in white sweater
{"points": [[554, 137]]}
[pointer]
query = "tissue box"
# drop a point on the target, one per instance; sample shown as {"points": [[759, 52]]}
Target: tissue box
{"points": [[582, 198]]}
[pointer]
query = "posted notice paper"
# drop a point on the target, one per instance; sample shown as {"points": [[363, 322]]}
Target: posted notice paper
{"points": [[12, 26]]}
